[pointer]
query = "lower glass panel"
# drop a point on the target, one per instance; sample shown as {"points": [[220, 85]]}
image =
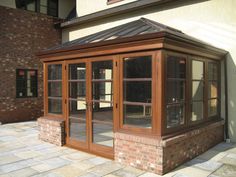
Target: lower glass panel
{"points": [[212, 107], [103, 114], [77, 129], [175, 115], [197, 111], [138, 115], [55, 106], [103, 134], [77, 109]]}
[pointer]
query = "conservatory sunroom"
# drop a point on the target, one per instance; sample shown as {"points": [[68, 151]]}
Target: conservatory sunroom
{"points": [[142, 93]]}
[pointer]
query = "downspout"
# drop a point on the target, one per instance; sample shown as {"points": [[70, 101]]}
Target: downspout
{"points": [[226, 101]]}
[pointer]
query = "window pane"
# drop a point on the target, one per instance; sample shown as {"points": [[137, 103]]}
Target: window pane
{"points": [[103, 134], [54, 89], [103, 111], [197, 111], [137, 67], [77, 90], [175, 115], [175, 91], [77, 109], [77, 71], [212, 71], [138, 115], [137, 91], [55, 72], [197, 90], [212, 89], [77, 129], [102, 91], [212, 107], [176, 67], [102, 70], [55, 106], [31, 6], [197, 70]]}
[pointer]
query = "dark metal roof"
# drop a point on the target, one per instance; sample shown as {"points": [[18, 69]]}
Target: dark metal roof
{"points": [[134, 28]]}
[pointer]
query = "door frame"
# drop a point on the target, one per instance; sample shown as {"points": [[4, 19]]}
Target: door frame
{"points": [[89, 146]]}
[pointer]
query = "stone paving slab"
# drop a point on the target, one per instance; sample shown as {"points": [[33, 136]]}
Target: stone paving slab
{"points": [[22, 154]]}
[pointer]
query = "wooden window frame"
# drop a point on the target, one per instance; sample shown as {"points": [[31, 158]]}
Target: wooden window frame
{"points": [[218, 98], [46, 112], [188, 125], [154, 80], [191, 80]]}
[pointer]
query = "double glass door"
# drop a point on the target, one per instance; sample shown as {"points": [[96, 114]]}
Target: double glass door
{"points": [[90, 104]]}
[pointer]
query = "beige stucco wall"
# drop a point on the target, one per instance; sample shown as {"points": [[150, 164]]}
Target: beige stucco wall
{"points": [[212, 21], [8, 3], [65, 7], [90, 6]]}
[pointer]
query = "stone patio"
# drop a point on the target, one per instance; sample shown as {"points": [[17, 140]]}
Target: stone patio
{"points": [[23, 155]]}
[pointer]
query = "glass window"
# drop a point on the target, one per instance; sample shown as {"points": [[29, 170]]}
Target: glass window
{"points": [[49, 7], [175, 91], [55, 88], [213, 89], [26, 83], [137, 91], [197, 104]]}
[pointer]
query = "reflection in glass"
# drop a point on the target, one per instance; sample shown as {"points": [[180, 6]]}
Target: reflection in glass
{"points": [[55, 106], [77, 90], [137, 67], [212, 107], [54, 89], [175, 91], [212, 71], [77, 108], [176, 67], [55, 72], [77, 129], [77, 71], [140, 91], [103, 134], [138, 115], [197, 70], [175, 115], [212, 89], [102, 91], [197, 90], [102, 70], [197, 111]]}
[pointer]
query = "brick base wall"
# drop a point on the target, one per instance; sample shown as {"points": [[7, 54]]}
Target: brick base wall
{"points": [[161, 156], [52, 130]]}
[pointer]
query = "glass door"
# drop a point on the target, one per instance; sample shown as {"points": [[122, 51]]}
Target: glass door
{"points": [[77, 105], [90, 105], [102, 104]]}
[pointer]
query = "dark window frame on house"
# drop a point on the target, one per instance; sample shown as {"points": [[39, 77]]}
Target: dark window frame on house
{"points": [[25, 85], [38, 6]]}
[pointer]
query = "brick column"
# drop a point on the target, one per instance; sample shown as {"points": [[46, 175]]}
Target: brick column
{"points": [[52, 130]]}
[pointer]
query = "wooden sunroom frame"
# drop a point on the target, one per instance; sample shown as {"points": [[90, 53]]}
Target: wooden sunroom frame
{"points": [[158, 45]]}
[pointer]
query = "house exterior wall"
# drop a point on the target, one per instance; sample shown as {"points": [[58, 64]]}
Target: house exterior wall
{"points": [[88, 6], [206, 21], [23, 34]]}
